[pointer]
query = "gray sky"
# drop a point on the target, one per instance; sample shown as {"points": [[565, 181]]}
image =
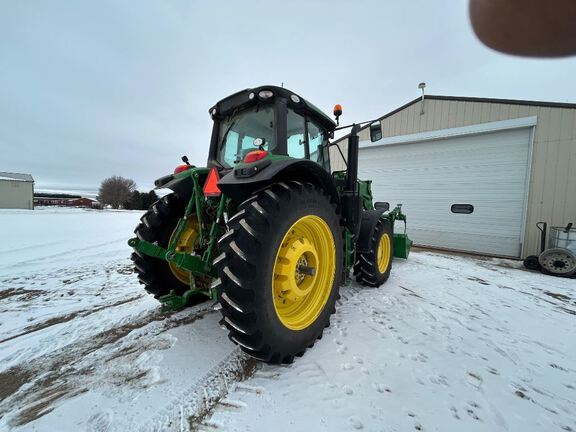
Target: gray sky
{"points": [[107, 87]]}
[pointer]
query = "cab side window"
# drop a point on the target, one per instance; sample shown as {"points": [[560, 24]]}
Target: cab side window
{"points": [[295, 135], [316, 138]]}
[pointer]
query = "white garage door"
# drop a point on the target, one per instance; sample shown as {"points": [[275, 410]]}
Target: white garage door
{"points": [[487, 171]]}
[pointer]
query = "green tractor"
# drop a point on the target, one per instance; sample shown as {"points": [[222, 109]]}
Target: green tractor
{"points": [[267, 229]]}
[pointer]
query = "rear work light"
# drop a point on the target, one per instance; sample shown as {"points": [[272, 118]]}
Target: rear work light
{"points": [[211, 188], [265, 94], [255, 155], [181, 168]]}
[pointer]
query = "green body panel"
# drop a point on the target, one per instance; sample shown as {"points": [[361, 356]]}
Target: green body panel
{"points": [[402, 245], [365, 190], [348, 250]]}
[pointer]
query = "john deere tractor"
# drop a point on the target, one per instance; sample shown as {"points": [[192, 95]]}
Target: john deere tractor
{"points": [[267, 229]]}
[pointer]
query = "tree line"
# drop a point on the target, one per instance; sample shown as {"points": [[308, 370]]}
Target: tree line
{"points": [[119, 192]]}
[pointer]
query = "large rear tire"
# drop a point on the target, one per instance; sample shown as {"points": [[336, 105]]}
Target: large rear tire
{"points": [[279, 271]]}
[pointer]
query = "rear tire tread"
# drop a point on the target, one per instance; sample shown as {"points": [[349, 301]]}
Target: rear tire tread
{"points": [[242, 247], [152, 272]]}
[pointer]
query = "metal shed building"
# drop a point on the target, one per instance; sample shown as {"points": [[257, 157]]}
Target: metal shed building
{"points": [[506, 164], [16, 191]]}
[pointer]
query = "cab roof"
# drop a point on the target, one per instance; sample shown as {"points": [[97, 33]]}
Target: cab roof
{"points": [[249, 97]]}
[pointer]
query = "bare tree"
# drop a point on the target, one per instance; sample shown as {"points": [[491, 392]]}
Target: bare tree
{"points": [[115, 191]]}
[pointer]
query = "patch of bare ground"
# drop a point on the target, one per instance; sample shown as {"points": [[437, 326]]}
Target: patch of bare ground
{"points": [[561, 297], [569, 311], [12, 379], [44, 404], [26, 293], [68, 317], [556, 296], [65, 373]]}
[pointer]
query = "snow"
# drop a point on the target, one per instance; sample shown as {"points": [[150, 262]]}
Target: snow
{"points": [[13, 179], [448, 343], [82, 346]]}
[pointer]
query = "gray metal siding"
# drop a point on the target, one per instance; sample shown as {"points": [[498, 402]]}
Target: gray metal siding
{"points": [[552, 188], [16, 195]]}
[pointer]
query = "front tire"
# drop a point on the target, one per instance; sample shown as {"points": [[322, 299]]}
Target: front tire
{"points": [[373, 268], [279, 271]]}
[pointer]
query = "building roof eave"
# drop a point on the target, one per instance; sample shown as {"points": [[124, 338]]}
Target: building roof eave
{"points": [[468, 99]]}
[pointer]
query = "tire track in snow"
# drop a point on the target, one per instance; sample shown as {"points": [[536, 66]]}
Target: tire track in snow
{"points": [[60, 255], [41, 300], [29, 391], [231, 399], [69, 317], [193, 406]]}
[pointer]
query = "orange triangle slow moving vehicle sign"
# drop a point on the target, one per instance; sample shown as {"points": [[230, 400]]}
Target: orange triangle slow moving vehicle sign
{"points": [[211, 186]]}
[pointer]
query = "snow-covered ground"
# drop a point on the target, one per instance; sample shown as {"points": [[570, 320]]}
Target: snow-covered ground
{"points": [[448, 343]]}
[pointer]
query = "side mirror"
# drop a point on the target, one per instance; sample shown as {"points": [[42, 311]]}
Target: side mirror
{"points": [[375, 131], [337, 112], [384, 206]]}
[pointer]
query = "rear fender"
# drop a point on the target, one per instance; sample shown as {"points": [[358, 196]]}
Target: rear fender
{"points": [[369, 220], [239, 188]]}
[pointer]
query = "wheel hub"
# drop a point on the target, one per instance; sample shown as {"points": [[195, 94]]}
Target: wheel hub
{"points": [[303, 273], [302, 262], [558, 261], [186, 244], [295, 269], [383, 254]]}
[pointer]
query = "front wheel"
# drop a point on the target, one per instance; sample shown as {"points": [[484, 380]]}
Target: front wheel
{"points": [[279, 271], [373, 268]]}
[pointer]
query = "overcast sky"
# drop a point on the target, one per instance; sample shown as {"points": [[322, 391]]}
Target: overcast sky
{"points": [[90, 89]]}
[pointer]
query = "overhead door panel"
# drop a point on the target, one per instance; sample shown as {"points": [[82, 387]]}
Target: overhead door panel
{"points": [[487, 171]]}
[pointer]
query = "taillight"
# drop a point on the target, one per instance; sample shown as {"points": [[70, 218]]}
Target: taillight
{"points": [[211, 188], [181, 168], [255, 155]]}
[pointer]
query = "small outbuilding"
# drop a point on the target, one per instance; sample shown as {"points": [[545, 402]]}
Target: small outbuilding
{"points": [[473, 174], [16, 191]]}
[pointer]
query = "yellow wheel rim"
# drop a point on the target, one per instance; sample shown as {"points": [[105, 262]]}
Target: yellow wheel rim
{"points": [[186, 244], [303, 272], [383, 258]]}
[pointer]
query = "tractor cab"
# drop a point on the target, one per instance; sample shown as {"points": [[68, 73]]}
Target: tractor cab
{"points": [[254, 123]]}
